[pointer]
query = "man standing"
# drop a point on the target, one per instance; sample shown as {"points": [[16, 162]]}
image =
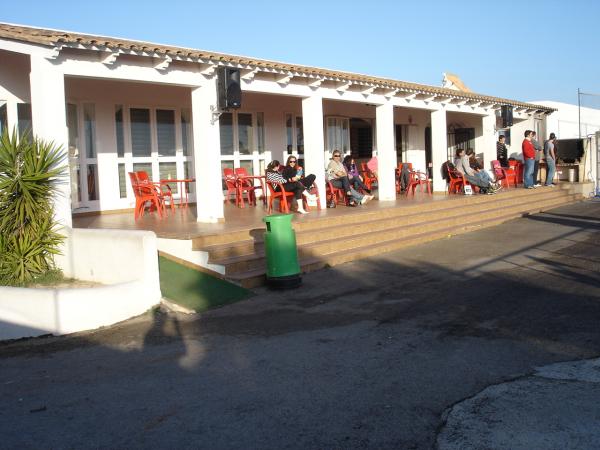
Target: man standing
{"points": [[538, 156], [528, 160], [502, 151], [550, 155]]}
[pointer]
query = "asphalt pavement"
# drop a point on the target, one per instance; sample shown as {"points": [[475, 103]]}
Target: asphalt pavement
{"points": [[483, 340]]}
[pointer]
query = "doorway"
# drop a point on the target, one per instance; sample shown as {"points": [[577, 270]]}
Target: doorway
{"points": [[361, 138]]}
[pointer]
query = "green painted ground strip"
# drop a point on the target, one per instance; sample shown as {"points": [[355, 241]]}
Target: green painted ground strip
{"points": [[196, 290]]}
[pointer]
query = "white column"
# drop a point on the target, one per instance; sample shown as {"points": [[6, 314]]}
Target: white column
{"points": [[314, 142], [386, 152], [50, 123], [12, 119], [439, 148], [486, 143], [207, 152]]}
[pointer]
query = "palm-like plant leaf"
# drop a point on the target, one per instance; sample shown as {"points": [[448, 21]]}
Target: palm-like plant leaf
{"points": [[30, 170]]}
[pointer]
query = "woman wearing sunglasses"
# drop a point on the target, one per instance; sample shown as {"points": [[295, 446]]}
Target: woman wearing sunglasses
{"points": [[274, 176], [337, 175], [292, 172]]}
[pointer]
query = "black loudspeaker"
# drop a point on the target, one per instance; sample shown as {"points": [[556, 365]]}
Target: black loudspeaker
{"points": [[229, 90], [507, 116]]}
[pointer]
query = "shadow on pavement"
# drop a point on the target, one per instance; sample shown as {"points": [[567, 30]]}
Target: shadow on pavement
{"points": [[367, 354]]}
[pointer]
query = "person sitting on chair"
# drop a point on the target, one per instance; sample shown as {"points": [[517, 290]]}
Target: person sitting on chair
{"points": [[373, 165], [462, 165], [274, 177], [356, 180], [338, 177], [479, 170], [291, 173], [403, 178]]}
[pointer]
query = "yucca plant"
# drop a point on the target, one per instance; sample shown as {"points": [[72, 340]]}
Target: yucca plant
{"points": [[30, 170]]}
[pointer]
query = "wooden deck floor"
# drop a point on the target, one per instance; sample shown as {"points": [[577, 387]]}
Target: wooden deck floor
{"points": [[181, 224]]}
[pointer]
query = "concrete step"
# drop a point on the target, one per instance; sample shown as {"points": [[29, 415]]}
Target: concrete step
{"points": [[393, 230], [414, 205], [233, 249], [395, 244], [369, 233], [256, 277], [224, 238], [320, 228], [382, 224]]}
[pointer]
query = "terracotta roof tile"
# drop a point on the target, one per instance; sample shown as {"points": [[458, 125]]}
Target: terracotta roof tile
{"points": [[53, 37]]}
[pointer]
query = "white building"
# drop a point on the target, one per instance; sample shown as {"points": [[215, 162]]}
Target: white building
{"points": [[121, 105], [571, 122], [566, 121]]}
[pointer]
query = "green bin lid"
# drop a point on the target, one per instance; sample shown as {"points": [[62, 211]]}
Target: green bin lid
{"points": [[278, 218]]}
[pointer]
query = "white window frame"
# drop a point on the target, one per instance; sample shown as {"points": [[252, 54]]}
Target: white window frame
{"points": [[255, 157], [294, 129], [154, 159], [83, 160], [328, 145]]}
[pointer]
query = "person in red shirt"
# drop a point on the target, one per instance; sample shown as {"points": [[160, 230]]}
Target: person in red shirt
{"points": [[528, 160]]}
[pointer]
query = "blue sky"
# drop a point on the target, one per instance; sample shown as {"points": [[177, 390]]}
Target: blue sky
{"points": [[534, 50]]}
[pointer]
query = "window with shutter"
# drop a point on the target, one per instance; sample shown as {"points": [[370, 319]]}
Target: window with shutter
{"points": [[24, 118], [89, 126], [165, 132], [3, 117], [120, 131], [141, 142]]}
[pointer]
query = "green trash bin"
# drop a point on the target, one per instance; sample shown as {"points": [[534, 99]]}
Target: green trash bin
{"points": [[283, 269]]}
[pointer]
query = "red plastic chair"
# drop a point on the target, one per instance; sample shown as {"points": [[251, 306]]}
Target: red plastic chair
{"points": [[164, 189], [503, 174], [368, 177], [418, 179], [231, 184], [456, 181], [399, 174], [145, 193], [282, 195], [517, 166], [244, 185], [338, 195]]}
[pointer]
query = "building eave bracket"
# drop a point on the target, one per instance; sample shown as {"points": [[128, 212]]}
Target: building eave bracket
{"points": [[249, 74], [55, 50], [163, 62], [343, 87], [109, 57], [284, 80], [208, 70], [314, 84]]}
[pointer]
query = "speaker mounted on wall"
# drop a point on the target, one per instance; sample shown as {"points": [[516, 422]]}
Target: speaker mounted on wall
{"points": [[506, 112], [229, 91]]}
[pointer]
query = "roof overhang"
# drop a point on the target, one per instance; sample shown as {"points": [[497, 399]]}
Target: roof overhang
{"points": [[110, 49]]}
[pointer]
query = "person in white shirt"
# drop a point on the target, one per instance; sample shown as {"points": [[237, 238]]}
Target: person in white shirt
{"points": [[337, 175]]}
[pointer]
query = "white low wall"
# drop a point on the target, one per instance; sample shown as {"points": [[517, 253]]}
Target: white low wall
{"points": [[125, 262], [182, 248]]}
